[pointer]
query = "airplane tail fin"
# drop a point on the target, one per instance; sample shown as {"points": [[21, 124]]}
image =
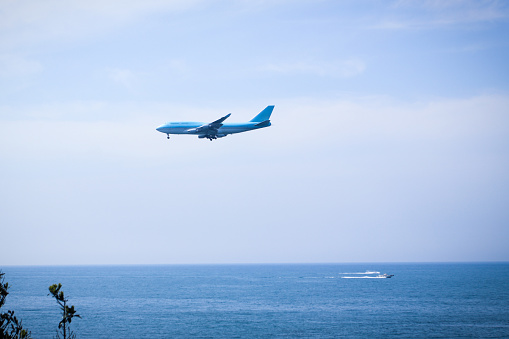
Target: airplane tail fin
{"points": [[263, 115]]}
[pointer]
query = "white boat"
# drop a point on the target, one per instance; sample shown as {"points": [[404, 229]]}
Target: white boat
{"points": [[385, 275]]}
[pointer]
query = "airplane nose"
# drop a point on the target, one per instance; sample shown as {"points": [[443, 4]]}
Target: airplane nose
{"points": [[160, 128]]}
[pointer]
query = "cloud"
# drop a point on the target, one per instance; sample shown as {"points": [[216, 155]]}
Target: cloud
{"points": [[176, 67], [25, 21], [123, 77], [364, 119], [375, 122], [12, 65], [436, 13], [342, 69], [328, 171]]}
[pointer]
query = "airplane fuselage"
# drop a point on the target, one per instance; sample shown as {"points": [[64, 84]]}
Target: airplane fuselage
{"points": [[187, 127]]}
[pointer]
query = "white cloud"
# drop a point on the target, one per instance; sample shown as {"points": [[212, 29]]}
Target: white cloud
{"points": [[123, 77], [16, 65], [343, 69], [177, 67], [412, 172], [124, 128], [436, 13], [362, 119], [25, 21], [417, 173]]}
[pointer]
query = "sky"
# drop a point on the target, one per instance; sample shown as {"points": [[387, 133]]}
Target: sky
{"points": [[389, 139]]}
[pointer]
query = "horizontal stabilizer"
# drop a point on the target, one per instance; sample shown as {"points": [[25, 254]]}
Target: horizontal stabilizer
{"points": [[263, 123]]}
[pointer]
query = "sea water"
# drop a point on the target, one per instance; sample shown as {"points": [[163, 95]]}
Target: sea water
{"points": [[267, 301]]}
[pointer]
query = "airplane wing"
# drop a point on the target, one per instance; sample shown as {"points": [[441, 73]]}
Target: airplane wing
{"points": [[219, 122], [210, 128]]}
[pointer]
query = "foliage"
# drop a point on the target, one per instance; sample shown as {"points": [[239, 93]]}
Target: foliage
{"points": [[67, 312], [10, 326]]}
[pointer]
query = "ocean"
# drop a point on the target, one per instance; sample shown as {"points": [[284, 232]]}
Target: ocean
{"points": [[446, 300]]}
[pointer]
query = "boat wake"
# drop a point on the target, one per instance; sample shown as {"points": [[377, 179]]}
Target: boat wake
{"points": [[366, 275], [367, 272]]}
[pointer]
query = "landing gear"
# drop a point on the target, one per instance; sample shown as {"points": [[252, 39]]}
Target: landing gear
{"points": [[211, 136], [167, 136]]}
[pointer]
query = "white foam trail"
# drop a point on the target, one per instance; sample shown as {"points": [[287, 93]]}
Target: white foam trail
{"points": [[367, 272], [365, 277]]}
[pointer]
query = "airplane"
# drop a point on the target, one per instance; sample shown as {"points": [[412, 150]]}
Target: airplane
{"points": [[217, 129]]}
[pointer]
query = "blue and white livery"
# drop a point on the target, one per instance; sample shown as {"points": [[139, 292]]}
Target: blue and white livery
{"points": [[217, 129]]}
